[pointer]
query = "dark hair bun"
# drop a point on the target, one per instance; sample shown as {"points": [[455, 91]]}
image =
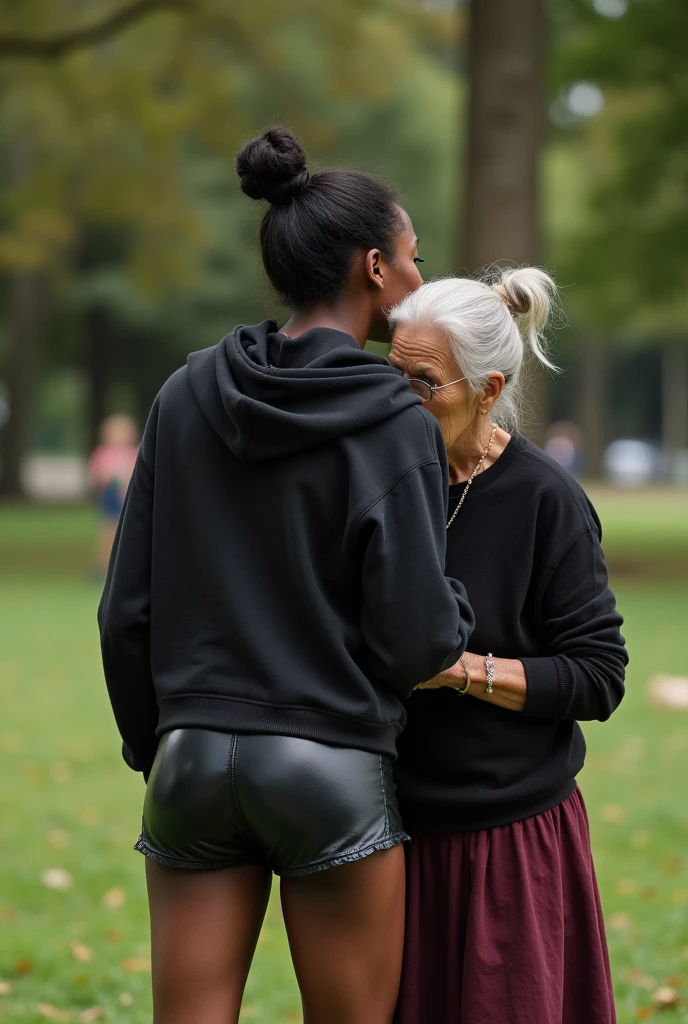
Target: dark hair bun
{"points": [[272, 166]]}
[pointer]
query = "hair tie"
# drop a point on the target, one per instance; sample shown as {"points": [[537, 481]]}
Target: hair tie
{"points": [[501, 291]]}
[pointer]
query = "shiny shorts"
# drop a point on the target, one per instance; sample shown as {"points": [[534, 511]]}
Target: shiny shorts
{"points": [[221, 800]]}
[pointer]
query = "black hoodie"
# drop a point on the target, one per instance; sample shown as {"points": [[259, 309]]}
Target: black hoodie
{"points": [[279, 563]]}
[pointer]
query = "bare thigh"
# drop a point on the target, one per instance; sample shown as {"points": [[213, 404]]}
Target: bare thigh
{"points": [[204, 929], [346, 934]]}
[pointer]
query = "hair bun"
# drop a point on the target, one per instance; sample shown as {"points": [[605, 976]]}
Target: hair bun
{"points": [[272, 166]]}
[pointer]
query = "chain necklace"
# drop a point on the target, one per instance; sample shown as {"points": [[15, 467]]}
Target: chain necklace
{"points": [[473, 475]]}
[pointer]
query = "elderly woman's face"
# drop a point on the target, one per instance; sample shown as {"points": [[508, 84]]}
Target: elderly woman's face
{"points": [[424, 353]]}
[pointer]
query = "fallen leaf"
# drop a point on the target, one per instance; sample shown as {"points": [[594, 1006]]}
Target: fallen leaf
{"points": [[650, 892], [612, 814], [247, 1012], [93, 1013], [80, 980], [61, 771], [619, 921], [669, 692], [291, 1015], [626, 886], [5, 988], [10, 742], [81, 952], [126, 999], [57, 878], [644, 1012], [136, 964], [114, 899], [8, 913], [665, 996], [674, 981], [674, 865], [113, 934], [23, 967], [46, 1010], [637, 977], [680, 897], [59, 838], [91, 816]]}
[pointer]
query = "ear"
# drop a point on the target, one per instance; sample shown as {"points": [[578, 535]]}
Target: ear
{"points": [[491, 392], [374, 269]]}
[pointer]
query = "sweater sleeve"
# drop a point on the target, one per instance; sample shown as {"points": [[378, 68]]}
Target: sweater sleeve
{"points": [[415, 621], [582, 676], [124, 622]]}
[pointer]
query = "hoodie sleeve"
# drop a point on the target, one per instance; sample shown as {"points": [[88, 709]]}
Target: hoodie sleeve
{"points": [[124, 621], [415, 621]]}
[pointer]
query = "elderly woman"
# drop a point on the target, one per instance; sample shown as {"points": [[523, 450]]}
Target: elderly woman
{"points": [[503, 913]]}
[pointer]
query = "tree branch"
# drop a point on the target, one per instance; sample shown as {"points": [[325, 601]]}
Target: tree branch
{"points": [[52, 48]]}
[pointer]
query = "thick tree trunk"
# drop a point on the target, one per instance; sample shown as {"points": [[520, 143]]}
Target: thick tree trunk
{"points": [[674, 400], [30, 303], [592, 399], [506, 103]]}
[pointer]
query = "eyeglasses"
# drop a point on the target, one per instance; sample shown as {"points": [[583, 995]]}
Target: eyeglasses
{"points": [[426, 391]]}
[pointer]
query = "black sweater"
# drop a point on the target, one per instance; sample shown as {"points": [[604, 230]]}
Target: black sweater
{"points": [[526, 544], [279, 564]]}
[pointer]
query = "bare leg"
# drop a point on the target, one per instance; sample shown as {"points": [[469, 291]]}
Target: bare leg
{"points": [[204, 929], [346, 933]]}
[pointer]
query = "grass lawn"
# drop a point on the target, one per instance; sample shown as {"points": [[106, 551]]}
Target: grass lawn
{"points": [[67, 802]]}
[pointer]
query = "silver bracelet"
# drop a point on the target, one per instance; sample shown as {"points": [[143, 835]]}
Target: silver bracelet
{"points": [[490, 669], [464, 691]]}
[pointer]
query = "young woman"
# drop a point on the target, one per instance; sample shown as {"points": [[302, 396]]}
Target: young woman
{"points": [[503, 913], [275, 592]]}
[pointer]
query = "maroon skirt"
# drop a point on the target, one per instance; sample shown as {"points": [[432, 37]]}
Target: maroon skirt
{"points": [[505, 925]]}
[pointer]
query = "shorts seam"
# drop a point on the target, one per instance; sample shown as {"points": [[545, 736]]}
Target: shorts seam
{"points": [[358, 853], [384, 797], [231, 764]]}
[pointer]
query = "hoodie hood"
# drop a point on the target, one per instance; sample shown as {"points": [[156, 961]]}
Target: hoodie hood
{"points": [[268, 396]]}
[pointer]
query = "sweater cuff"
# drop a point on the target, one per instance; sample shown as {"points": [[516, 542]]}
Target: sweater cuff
{"points": [[546, 691]]}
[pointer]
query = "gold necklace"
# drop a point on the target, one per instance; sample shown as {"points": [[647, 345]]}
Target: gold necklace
{"points": [[473, 475]]}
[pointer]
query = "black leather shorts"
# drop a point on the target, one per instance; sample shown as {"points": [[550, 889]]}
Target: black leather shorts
{"points": [[220, 800]]}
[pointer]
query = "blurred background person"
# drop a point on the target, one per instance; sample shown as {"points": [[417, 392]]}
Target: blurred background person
{"points": [[110, 468]]}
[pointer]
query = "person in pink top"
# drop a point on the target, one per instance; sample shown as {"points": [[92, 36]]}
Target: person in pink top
{"points": [[110, 468]]}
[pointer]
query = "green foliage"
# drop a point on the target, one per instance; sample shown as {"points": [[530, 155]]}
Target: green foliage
{"points": [[628, 249], [121, 181]]}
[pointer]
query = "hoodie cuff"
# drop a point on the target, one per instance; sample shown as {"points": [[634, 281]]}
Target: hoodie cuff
{"points": [[546, 689], [142, 764]]}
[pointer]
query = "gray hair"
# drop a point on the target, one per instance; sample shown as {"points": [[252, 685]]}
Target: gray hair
{"points": [[487, 324]]}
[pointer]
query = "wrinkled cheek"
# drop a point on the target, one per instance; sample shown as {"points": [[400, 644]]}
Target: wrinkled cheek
{"points": [[452, 424]]}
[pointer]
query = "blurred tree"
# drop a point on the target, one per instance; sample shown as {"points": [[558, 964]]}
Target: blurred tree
{"points": [[506, 104], [110, 128], [628, 250]]}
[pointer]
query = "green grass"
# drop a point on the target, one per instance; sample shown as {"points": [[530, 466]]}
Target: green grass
{"points": [[67, 801]]}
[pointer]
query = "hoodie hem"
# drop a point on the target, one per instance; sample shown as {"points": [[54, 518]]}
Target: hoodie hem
{"points": [[231, 715]]}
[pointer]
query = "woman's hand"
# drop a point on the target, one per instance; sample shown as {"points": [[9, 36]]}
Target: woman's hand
{"points": [[510, 686]]}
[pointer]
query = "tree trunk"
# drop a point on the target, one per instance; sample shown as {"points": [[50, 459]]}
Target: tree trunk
{"points": [[674, 400], [592, 398], [98, 368], [30, 300], [506, 104]]}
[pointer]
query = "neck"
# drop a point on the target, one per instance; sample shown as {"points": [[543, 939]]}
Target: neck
{"points": [[466, 451], [347, 316]]}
